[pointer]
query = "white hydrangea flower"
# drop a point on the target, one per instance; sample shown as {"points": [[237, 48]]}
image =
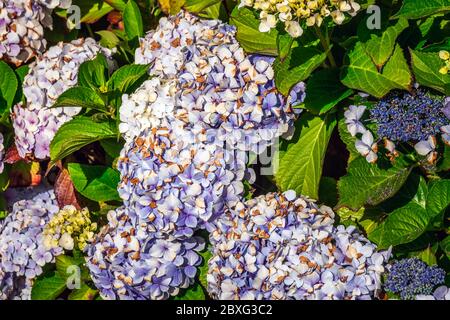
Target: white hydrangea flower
{"points": [[22, 24], [294, 13], [35, 124]]}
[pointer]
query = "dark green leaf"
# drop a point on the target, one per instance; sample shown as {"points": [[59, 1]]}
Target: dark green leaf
{"points": [[325, 91], [78, 133], [132, 19], [48, 287], [401, 226], [300, 166], [438, 198], [97, 183], [195, 292], [112, 147], [415, 9], [84, 293], [8, 87], [380, 45], [93, 73], [128, 78], [248, 33], [328, 191], [445, 246], [426, 66], [203, 269], [197, 6], [362, 74], [366, 183], [80, 97], [296, 67], [108, 39]]}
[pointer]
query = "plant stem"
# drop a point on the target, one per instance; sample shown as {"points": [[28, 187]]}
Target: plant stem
{"points": [[325, 41], [89, 29]]}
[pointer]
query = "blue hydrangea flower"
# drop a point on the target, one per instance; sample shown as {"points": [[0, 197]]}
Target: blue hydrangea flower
{"points": [[409, 117], [22, 252], [411, 277], [55, 71], [22, 24], [280, 246], [441, 293], [188, 130], [126, 262], [175, 179], [216, 84]]}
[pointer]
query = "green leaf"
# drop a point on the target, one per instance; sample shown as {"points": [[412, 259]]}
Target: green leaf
{"points": [[428, 256], [171, 7], [380, 46], [20, 74], [445, 246], [296, 67], [366, 183], [77, 133], [48, 287], [216, 11], [425, 66], [415, 190], [132, 19], [197, 6], [112, 147], [248, 33], [203, 269], [403, 225], [362, 74], [80, 97], [347, 138], [347, 214], [444, 163], [438, 197], [325, 81], [284, 43], [98, 183], [108, 39], [91, 10], [63, 263], [300, 166], [328, 191], [84, 293], [8, 87], [415, 9], [195, 292], [93, 73], [128, 78], [117, 4]]}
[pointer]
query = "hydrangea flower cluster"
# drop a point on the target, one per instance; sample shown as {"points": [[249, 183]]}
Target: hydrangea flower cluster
{"points": [[280, 246], [445, 55], [216, 84], [127, 263], [174, 181], [69, 228], [441, 293], [401, 117], [22, 251], [187, 131], [22, 24], [412, 277], [2, 152], [296, 14], [35, 124]]}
